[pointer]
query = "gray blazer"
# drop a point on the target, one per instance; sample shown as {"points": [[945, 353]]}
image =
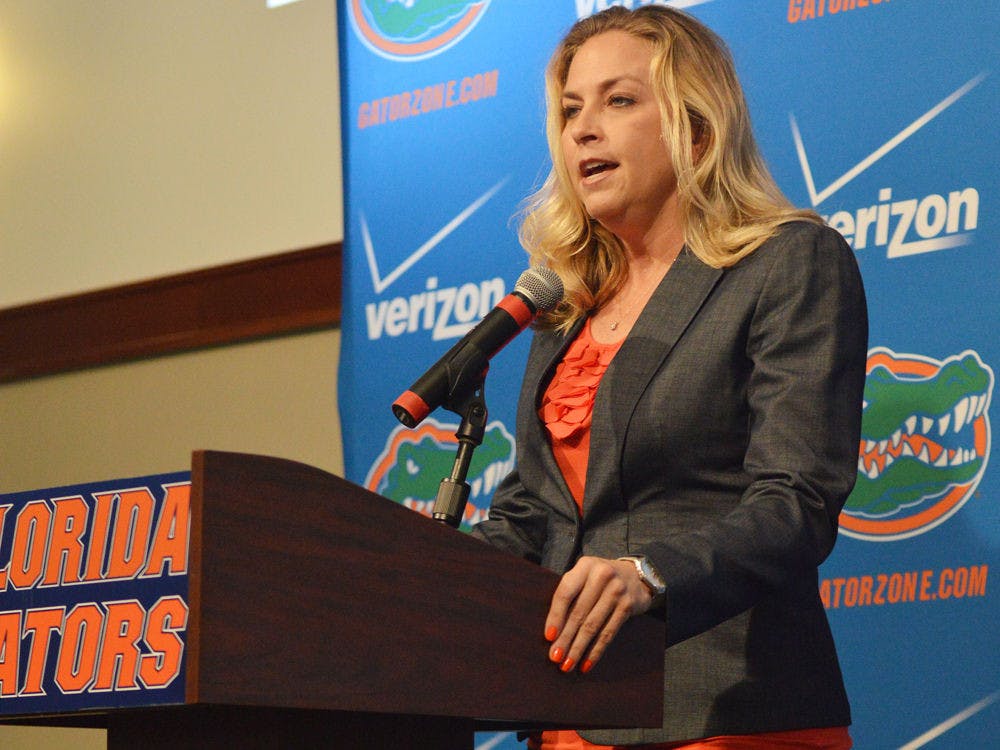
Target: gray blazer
{"points": [[724, 443]]}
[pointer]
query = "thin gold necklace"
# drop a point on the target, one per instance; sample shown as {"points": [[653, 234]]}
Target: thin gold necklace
{"points": [[644, 297]]}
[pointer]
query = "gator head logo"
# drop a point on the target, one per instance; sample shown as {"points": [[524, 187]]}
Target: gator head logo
{"points": [[925, 441], [415, 461], [408, 30]]}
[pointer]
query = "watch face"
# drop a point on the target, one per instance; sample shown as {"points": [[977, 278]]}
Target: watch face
{"points": [[647, 574], [651, 577]]}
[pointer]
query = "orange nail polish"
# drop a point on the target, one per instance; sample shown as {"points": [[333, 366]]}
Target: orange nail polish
{"points": [[551, 632], [557, 654], [567, 665], [586, 666]]}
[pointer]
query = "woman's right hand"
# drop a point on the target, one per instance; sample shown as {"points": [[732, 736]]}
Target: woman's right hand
{"points": [[591, 603]]}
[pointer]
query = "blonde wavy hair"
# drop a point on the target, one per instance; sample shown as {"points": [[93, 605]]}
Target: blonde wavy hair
{"points": [[729, 202]]}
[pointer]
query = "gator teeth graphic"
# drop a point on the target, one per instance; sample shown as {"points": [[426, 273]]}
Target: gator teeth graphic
{"points": [[921, 444], [414, 462], [925, 442], [480, 489]]}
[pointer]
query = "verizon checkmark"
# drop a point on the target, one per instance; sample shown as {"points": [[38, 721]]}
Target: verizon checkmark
{"points": [[818, 197], [381, 284]]}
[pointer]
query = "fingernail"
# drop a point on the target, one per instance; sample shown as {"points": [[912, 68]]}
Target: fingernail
{"points": [[551, 632], [557, 654], [567, 665], [586, 666]]}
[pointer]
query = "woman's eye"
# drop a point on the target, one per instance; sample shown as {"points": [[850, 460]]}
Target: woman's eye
{"points": [[621, 101], [570, 111]]}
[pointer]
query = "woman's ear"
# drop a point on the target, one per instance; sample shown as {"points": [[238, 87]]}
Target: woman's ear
{"points": [[699, 138]]}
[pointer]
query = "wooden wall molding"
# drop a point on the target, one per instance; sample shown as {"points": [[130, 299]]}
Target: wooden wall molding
{"points": [[276, 294]]}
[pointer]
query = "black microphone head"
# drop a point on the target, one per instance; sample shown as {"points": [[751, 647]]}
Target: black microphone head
{"points": [[542, 286]]}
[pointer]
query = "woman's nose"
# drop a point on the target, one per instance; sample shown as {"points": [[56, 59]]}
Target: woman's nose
{"points": [[585, 126]]}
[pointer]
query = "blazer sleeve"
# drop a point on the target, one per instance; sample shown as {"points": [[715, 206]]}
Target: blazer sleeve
{"points": [[517, 521], [807, 345]]}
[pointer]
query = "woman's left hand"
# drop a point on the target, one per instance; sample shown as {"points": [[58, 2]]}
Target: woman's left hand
{"points": [[593, 599]]}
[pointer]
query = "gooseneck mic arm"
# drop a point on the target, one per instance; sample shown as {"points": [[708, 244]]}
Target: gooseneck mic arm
{"points": [[453, 492]]}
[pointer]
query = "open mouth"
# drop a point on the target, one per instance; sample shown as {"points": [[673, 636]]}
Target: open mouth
{"points": [[591, 168]]}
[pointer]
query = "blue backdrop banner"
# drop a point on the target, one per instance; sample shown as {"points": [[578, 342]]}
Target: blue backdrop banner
{"points": [[870, 111]]}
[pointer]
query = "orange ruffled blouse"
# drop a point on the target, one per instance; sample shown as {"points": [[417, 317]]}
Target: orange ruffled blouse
{"points": [[567, 409], [568, 406]]}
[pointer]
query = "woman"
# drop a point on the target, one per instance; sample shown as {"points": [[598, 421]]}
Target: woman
{"points": [[689, 421]]}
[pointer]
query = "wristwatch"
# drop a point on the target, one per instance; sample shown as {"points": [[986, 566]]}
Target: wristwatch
{"points": [[648, 575]]}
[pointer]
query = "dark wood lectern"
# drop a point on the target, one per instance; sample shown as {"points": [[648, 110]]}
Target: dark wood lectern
{"points": [[323, 615]]}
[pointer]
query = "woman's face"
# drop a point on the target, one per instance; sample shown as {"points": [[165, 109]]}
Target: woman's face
{"points": [[611, 140]]}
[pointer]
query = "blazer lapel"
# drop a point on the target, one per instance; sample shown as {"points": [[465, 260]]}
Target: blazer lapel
{"points": [[550, 350], [662, 322]]}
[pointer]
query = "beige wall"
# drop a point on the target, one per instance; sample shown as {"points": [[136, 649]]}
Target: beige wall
{"points": [[276, 397], [146, 138], [35, 738], [143, 138]]}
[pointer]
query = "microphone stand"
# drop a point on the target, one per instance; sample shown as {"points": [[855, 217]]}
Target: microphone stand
{"points": [[453, 492]]}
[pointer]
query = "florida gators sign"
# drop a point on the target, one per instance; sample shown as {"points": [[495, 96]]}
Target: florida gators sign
{"points": [[94, 586]]}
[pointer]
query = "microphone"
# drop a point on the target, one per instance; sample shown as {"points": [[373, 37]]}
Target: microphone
{"points": [[462, 367]]}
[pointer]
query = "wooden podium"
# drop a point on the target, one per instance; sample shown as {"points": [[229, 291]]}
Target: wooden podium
{"points": [[325, 616]]}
